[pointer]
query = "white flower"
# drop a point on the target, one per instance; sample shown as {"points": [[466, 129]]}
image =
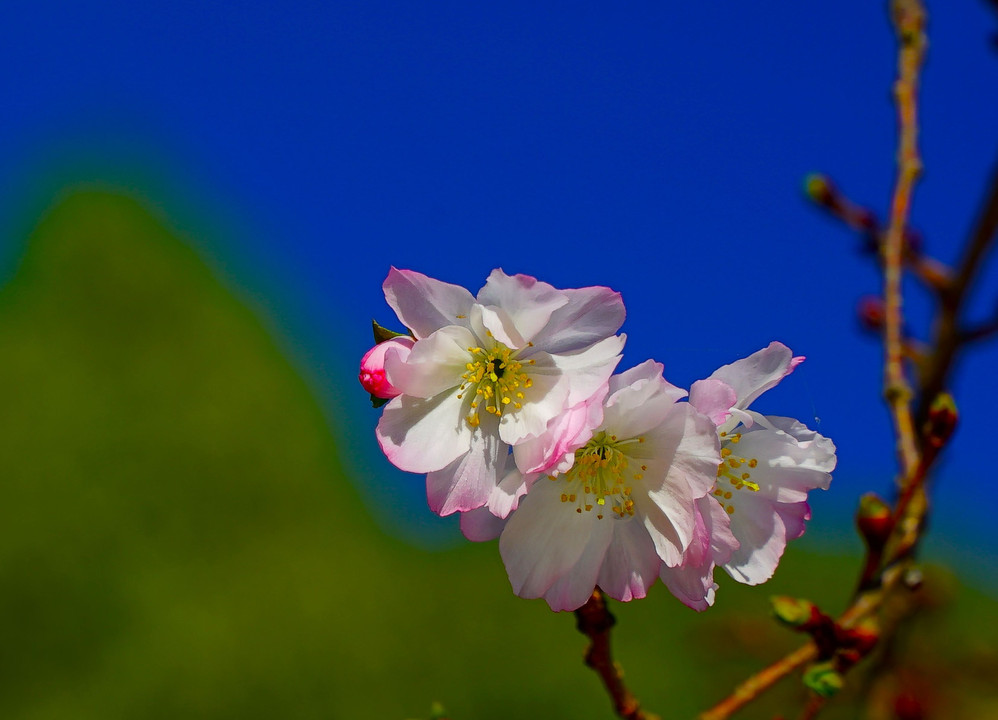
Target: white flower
{"points": [[490, 372], [624, 506], [768, 466]]}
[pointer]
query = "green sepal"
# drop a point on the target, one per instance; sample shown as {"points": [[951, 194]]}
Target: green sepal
{"points": [[823, 679], [377, 402], [382, 333]]}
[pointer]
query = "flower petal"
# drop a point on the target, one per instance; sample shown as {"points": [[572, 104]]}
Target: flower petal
{"points": [[714, 398], [640, 399], [420, 435], [468, 481], [424, 304], [543, 540], [753, 375], [631, 563], [528, 302], [591, 314], [480, 525], [434, 364], [762, 536], [574, 588]]}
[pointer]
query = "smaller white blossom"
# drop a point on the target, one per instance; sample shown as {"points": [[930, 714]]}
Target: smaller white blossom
{"points": [[759, 498]]}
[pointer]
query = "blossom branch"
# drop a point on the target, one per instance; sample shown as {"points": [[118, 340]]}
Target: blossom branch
{"points": [[884, 568], [948, 336], [594, 621], [909, 22]]}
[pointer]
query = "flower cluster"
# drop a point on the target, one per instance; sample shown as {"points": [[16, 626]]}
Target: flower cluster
{"points": [[508, 402]]}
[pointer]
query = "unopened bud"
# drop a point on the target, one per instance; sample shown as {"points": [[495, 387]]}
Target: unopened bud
{"points": [[794, 612], [372, 368], [862, 638], [942, 420], [824, 679], [871, 314], [820, 189], [873, 519]]}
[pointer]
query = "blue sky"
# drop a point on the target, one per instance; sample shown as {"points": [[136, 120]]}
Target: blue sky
{"points": [[656, 148]]}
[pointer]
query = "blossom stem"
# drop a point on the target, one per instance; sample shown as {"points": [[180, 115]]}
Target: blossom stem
{"points": [[594, 621]]}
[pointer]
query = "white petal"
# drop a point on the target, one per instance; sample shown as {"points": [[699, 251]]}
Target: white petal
{"points": [[434, 364], [640, 399], [762, 535], [592, 313], [505, 496], [528, 301], [480, 525], [543, 540], [495, 323], [468, 481], [424, 304], [543, 401], [419, 435], [575, 587], [587, 370], [752, 376], [631, 563]]}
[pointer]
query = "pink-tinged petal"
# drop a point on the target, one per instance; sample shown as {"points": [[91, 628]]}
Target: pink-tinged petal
{"points": [[760, 371], [794, 517], [688, 442], [480, 525], [424, 304], [435, 364], [667, 516], [789, 466], [468, 482], [592, 313], [762, 535], [575, 587], [714, 398], [640, 399], [372, 366], [631, 563], [554, 448], [588, 370], [692, 585], [505, 496], [528, 301], [419, 435], [723, 542], [497, 324], [543, 540], [544, 400]]}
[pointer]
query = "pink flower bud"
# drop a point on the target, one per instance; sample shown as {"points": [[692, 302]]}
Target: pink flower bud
{"points": [[372, 366]]}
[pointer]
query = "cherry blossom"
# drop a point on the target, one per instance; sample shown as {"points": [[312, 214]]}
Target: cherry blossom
{"points": [[487, 373], [624, 506], [768, 466]]}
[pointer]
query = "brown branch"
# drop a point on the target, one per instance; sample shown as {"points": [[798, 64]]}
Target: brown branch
{"points": [[908, 17], [909, 23], [595, 621], [948, 337]]}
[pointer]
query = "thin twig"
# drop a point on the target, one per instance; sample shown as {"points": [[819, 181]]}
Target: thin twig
{"points": [[948, 337], [909, 22], [594, 621]]}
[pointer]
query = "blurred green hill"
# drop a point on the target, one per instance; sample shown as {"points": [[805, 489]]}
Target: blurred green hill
{"points": [[179, 540]]}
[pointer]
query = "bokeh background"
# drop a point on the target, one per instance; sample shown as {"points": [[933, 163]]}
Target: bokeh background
{"points": [[198, 205]]}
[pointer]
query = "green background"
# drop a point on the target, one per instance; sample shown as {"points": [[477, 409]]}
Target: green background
{"points": [[179, 539]]}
